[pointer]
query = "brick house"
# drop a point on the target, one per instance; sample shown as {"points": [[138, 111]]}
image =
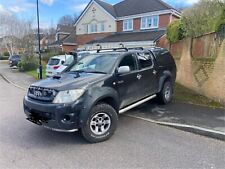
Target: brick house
{"points": [[129, 23]]}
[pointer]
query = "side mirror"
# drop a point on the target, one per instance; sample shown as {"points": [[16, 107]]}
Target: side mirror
{"points": [[123, 70], [62, 62]]}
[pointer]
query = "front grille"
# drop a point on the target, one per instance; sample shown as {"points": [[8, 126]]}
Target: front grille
{"points": [[41, 93]]}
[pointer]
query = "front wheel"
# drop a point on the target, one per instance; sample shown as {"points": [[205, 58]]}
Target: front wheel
{"points": [[101, 123], [165, 95]]}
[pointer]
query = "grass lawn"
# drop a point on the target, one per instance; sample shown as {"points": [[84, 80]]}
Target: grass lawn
{"points": [[34, 72], [183, 94]]}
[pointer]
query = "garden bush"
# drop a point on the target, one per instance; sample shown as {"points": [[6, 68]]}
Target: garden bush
{"points": [[6, 53], [220, 21], [28, 63], [175, 31], [4, 57]]}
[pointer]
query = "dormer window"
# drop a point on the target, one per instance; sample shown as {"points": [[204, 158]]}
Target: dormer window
{"points": [[150, 22], [128, 25]]}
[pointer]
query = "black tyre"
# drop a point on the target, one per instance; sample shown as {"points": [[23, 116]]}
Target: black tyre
{"points": [[165, 95], [101, 123]]}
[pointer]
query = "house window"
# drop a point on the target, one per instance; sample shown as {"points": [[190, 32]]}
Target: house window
{"points": [[128, 25], [85, 28], [102, 27], [149, 22], [93, 28]]}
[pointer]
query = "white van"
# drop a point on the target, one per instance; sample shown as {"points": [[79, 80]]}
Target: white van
{"points": [[54, 63]]}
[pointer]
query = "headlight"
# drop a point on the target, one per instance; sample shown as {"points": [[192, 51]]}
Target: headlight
{"points": [[68, 96]]}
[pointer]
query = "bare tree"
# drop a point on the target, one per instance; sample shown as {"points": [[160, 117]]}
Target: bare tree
{"points": [[68, 20], [14, 33]]}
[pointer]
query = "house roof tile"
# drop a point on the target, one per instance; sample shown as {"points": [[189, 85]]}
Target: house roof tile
{"points": [[152, 35]]}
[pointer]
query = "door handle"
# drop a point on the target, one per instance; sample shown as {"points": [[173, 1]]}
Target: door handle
{"points": [[154, 72], [139, 76]]}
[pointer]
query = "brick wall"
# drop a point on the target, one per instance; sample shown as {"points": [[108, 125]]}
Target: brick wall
{"points": [[137, 23], [68, 48], [205, 46], [83, 39], [119, 26], [195, 70], [164, 20]]}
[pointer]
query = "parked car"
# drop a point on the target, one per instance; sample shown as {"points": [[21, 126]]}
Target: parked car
{"points": [[54, 64], [73, 59], [98, 88], [14, 60]]}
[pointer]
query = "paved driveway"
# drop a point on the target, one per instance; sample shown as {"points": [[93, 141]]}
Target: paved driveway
{"points": [[136, 144]]}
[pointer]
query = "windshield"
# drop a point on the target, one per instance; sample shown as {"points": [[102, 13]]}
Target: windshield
{"points": [[96, 63]]}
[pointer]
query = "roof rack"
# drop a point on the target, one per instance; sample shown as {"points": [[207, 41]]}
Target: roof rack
{"points": [[112, 49], [136, 48]]}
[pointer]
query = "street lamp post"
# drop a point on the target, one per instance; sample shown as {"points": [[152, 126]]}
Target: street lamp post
{"points": [[39, 45]]}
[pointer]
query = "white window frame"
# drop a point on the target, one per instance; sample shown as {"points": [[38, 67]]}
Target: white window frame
{"points": [[102, 27], [145, 19], [93, 27], [126, 28]]}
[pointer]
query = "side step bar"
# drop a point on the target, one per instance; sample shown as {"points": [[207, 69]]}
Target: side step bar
{"points": [[136, 104]]}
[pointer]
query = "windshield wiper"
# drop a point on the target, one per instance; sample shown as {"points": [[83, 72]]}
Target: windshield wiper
{"points": [[77, 71], [94, 71]]}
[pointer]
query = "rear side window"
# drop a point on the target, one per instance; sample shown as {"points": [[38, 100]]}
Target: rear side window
{"points": [[53, 62], [145, 60]]}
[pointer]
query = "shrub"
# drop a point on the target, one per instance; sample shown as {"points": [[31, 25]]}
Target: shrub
{"points": [[175, 31], [6, 53], [220, 21], [4, 57], [28, 63]]}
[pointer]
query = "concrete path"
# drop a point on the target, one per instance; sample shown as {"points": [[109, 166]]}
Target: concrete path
{"points": [[13, 75]]}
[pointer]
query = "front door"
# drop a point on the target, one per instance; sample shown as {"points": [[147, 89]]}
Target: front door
{"points": [[127, 84]]}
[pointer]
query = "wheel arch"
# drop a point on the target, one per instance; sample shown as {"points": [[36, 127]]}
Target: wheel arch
{"points": [[167, 75]]}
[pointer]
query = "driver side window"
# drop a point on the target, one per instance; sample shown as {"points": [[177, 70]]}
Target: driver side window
{"points": [[129, 61]]}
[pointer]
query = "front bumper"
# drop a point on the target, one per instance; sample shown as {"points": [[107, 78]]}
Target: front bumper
{"points": [[58, 117]]}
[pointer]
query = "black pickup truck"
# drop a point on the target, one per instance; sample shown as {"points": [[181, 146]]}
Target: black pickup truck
{"points": [[92, 94]]}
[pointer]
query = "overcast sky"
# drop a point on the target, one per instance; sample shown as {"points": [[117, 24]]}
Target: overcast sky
{"points": [[52, 10]]}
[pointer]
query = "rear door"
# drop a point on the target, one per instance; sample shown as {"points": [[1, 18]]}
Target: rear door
{"points": [[148, 75], [127, 84]]}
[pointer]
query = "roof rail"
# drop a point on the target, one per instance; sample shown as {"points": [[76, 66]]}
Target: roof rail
{"points": [[112, 49], [136, 48]]}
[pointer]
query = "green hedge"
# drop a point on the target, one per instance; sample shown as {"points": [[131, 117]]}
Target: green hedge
{"points": [[28, 64], [6, 54], [220, 21], [4, 57], [175, 31]]}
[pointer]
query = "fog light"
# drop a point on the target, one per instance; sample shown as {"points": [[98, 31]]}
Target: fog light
{"points": [[66, 118]]}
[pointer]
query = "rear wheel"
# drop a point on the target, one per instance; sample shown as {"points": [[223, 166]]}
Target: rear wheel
{"points": [[101, 123], [165, 96]]}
